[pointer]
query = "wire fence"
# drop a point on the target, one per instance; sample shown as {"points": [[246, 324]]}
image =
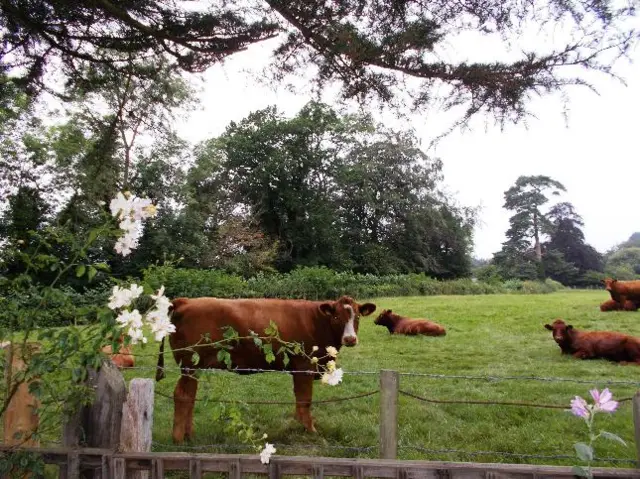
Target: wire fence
{"points": [[488, 378], [370, 450]]}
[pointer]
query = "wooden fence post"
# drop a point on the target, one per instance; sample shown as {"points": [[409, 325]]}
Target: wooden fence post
{"points": [[20, 417], [389, 383], [636, 424], [137, 421], [98, 425]]}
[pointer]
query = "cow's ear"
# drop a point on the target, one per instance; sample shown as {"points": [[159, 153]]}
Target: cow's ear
{"points": [[569, 327], [328, 309], [388, 311], [549, 327], [366, 309]]}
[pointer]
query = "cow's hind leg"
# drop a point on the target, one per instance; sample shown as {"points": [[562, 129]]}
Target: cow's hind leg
{"points": [[184, 398], [303, 390]]}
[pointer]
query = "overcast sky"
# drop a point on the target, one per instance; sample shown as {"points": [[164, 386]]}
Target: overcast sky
{"points": [[594, 153]]}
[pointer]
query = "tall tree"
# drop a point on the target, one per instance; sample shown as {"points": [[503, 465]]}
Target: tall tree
{"points": [[567, 237], [568, 258], [364, 44], [526, 199], [336, 191], [283, 173]]}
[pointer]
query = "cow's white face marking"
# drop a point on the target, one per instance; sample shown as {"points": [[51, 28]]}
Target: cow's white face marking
{"points": [[349, 336]]}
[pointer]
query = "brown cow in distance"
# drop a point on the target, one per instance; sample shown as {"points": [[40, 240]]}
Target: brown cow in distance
{"points": [[310, 323], [123, 358], [595, 344], [397, 324], [612, 305], [621, 291]]}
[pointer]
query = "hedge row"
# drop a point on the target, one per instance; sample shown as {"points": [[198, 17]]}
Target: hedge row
{"points": [[323, 283], [64, 306]]}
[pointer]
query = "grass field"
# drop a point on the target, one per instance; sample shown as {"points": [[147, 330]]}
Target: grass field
{"points": [[493, 335]]}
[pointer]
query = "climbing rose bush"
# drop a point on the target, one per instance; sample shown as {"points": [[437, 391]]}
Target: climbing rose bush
{"points": [[131, 211]]}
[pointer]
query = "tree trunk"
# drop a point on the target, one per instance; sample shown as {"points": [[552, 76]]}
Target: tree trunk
{"points": [[536, 234]]}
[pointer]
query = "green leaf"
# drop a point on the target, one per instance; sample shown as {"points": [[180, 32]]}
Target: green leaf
{"points": [[92, 272], [102, 266], [612, 437], [272, 329], [224, 357], [584, 452], [195, 358], [93, 234], [80, 270], [285, 360], [257, 341], [579, 471], [230, 333]]}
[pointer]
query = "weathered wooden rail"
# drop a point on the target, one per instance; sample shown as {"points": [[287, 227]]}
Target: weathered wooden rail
{"points": [[115, 465]]}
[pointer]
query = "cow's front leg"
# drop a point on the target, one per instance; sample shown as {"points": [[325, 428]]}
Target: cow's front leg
{"points": [[184, 398], [582, 354], [303, 390]]}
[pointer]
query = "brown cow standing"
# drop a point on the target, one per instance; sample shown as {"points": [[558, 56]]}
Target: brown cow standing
{"points": [[397, 324], [312, 323], [123, 358], [621, 291], [612, 305], [595, 344]]}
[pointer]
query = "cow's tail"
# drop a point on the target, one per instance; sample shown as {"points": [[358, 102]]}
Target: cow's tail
{"points": [[160, 367]]}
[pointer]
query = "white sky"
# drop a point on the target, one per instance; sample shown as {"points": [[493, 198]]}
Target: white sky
{"points": [[594, 154]]}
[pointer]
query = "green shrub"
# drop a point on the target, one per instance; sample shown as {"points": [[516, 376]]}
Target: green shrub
{"points": [[323, 283], [65, 306]]}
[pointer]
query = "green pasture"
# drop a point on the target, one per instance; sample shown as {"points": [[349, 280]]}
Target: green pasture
{"points": [[490, 335]]}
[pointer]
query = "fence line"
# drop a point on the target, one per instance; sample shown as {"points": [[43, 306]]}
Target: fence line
{"points": [[477, 402], [276, 444], [108, 463], [292, 403], [201, 447], [493, 403], [492, 378]]}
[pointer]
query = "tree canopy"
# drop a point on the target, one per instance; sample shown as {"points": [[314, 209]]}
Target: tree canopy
{"points": [[545, 242], [270, 193], [366, 45]]}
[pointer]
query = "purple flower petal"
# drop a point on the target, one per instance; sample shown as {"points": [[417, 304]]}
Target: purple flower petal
{"points": [[609, 406], [605, 396], [579, 407], [595, 394]]}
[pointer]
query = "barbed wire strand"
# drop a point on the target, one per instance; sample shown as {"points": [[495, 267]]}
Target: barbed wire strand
{"points": [[492, 403], [478, 402], [406, 373], [292, 403]]}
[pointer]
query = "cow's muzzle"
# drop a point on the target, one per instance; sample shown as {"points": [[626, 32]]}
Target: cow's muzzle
{"points": [[349, 341]]}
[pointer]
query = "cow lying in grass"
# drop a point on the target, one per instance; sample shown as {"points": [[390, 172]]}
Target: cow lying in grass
{"points": [[123, 358], [622, 291], [595, 344], [397, 324], [612, 305]]}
